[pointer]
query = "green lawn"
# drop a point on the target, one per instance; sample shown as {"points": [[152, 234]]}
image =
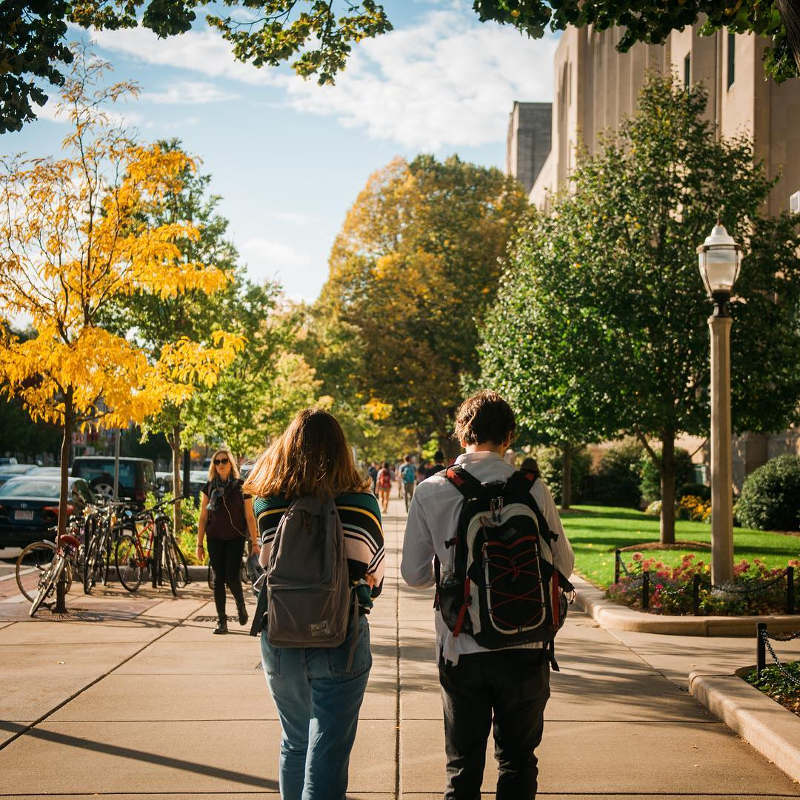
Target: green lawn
{"points": [[595, 532]]}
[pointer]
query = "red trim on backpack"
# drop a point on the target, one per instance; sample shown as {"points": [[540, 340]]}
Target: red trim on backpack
{"points": [[463, 610], [453, 476], [556, 601]]}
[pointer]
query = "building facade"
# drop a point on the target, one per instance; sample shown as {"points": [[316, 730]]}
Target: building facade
{"points": [[596, 87]]}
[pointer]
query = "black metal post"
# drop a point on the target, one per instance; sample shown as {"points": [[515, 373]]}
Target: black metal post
{"points": [[616, 565], [761, 651], [790, 590], [696, 595], [646, 590]]}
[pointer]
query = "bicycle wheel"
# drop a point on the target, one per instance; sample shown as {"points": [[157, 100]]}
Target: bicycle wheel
{"points": [[170, 567], [48, 582], [36, 556], [179, 560], [131, 567]]}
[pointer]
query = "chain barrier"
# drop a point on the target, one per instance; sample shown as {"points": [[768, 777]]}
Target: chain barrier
{"points": [[763, 644]]}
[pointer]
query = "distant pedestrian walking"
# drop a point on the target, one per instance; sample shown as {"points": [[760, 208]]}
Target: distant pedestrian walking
{"points": [[408, 474], [494, 636], [372, 471], [384, 482], [318, 522], [227, 521]]}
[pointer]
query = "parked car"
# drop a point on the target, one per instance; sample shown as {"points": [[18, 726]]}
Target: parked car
{"points": [[29, 507], [137, 476], [197, 479], [6, 460], [8, 471]]}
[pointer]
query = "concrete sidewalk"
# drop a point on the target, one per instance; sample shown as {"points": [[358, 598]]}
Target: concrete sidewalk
{"points": [[134, 697]]}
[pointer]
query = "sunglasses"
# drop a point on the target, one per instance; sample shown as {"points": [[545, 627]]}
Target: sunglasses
{"points": [[221, 461]]}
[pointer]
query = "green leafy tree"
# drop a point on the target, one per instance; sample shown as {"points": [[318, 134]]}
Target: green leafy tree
{"points": [[531, 338], [412, 272], [319, 34], [638, 209]]}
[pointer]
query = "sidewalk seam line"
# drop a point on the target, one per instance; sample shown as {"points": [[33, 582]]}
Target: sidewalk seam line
{"points": [[89, 685]]}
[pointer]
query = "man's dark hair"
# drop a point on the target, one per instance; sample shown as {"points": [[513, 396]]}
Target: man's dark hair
{"points": [[484, 417]]}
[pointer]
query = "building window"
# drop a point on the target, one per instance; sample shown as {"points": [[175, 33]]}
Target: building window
{"points": [[731, 59], [687, 70]]}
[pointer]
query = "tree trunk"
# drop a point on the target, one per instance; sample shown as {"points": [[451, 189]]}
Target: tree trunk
{"points": [[177, 488], [566, 476], [66, 443], [668, 488]]}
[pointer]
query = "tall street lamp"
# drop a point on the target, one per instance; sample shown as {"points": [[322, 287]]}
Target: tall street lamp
{"points": [[720, 258]]}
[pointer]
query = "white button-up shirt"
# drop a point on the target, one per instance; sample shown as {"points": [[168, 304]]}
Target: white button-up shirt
{"points": [[433, 519]]}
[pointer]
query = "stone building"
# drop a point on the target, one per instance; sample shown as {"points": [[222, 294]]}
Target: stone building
{"points": [[596, 87]]}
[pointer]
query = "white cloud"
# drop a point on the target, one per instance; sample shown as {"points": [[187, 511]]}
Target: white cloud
{"points": [[189, 93], [261, 253], [449, 81], [202, 51]]}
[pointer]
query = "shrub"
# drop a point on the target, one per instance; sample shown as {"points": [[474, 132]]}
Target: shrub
{"points": [[756, 589], [550, 460], [694, 508], [616, 481], [651, 476], [770, 499]]}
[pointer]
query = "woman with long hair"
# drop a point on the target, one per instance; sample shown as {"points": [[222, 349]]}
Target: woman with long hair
{"points": [[384, 483], [227, 520], [318, 691]]}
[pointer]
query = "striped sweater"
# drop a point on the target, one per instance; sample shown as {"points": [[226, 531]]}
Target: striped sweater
{"points": [[361, 523]]}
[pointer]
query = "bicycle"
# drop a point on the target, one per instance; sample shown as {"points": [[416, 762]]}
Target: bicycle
{"points": [[103, 529], [38, 556], [134, 561], [65, 550]]}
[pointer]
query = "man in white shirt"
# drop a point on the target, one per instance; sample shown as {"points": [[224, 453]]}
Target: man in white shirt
{"points": [[511, 686]]}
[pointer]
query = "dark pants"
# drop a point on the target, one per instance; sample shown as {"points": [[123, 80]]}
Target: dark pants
{"points": [[226, 561], [512, 686]]}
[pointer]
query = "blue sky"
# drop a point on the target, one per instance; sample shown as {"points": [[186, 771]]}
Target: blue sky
{"points": [[288, 156]]}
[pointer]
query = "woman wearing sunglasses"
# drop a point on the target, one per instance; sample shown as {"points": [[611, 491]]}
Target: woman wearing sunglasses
{"points": [[226, 518]]}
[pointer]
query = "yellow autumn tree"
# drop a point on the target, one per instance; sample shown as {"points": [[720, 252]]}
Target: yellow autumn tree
{"points": [[73, 239]]}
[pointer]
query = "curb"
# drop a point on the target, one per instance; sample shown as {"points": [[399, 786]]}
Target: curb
{"points": [[616, 617], [764, 724]]}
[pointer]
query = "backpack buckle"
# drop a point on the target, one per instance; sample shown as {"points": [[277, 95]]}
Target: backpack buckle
{"points": [[496, 509]]}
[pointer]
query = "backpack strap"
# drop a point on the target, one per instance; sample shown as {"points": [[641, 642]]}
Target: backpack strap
{"points": [[519, 487], [468, 485]]}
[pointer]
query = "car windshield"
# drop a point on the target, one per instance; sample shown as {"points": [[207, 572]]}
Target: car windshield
{"points": [[25, 487], [90, 470]]}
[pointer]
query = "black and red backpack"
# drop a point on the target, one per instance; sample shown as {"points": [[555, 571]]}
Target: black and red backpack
{"points": [[499, 584]]}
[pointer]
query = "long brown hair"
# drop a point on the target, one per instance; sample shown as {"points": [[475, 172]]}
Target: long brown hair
{"points": [[310, 457]]}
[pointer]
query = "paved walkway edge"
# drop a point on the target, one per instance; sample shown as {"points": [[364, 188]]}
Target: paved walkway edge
{"points": [[616, 617], [764, 724]]}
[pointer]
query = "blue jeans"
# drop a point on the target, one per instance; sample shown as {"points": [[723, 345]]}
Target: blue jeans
{"points": [[318, 700]]}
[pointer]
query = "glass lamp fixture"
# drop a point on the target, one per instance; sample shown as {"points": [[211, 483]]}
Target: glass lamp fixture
{"points": [[719, 259]]}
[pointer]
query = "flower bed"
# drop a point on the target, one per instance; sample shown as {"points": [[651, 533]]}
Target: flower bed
{"points": [[756, 588], [778, 685]]}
